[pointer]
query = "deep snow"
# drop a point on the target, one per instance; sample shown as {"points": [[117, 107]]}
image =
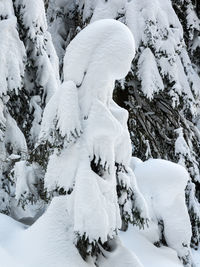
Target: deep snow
{"points": [[50, 245]]}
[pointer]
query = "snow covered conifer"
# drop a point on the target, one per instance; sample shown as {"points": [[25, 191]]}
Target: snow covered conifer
{"points": [[12, 64], [62, 25], [162, 90], [41, 73], [28, 78], [89, 139], [40, 80], [189, 16]]}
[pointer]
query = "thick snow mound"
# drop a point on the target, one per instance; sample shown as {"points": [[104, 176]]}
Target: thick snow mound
{"points": [[146, 252], [113, 40], [50, 242], [47, 243], [22, 248], [111, 44], [163, 185]]}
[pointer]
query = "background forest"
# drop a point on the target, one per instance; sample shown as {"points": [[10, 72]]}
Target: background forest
{"points": [[51, 121]]}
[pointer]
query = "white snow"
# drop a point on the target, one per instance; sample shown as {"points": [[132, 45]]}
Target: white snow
{"points": [[62, 168], [101, 143], [68, 113], [6, 8], [148, 254], [91, 191], [102, 54], [49, 243], [33, 17], [163, 184], [185, 151], [14, 137], [25, 177], [119, 256], [12, 54], [148, 73], [62, 114]]}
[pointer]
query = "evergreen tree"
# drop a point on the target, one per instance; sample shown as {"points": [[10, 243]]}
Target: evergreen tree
{"points": [[72, 139], [12, 141], [29, 76], [41, 73], [161, 91], [87, 136]]}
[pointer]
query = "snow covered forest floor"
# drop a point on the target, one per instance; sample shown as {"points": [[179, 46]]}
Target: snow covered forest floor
{"points": [[17, 253]]}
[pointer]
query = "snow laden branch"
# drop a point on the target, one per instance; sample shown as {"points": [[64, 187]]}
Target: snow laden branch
{"points": [[87, 134]]}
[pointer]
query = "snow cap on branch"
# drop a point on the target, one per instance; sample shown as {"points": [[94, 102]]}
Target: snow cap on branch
{"points": [[94, 66]]}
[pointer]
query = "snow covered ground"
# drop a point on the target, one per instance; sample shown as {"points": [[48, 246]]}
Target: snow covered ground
{"points": [[148, 254], [23, 248], [196, 257]]}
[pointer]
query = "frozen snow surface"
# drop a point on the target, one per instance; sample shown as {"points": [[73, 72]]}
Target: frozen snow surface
{"points": [[48, 243], [54, 246]]}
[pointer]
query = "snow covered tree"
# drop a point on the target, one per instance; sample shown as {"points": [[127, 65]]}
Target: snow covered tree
{"points": [[28, 77], [87, 135], [41, 76], [161, 91], [40, 82], [62, 25], [72, 139], [189, 14], [12, 141]]}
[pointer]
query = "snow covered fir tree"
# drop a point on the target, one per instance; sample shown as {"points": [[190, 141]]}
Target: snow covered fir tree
{"points": [[99, 133]]}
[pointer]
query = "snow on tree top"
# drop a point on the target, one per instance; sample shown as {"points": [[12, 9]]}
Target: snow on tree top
{"points": [[93, 64], [113, 46]]}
